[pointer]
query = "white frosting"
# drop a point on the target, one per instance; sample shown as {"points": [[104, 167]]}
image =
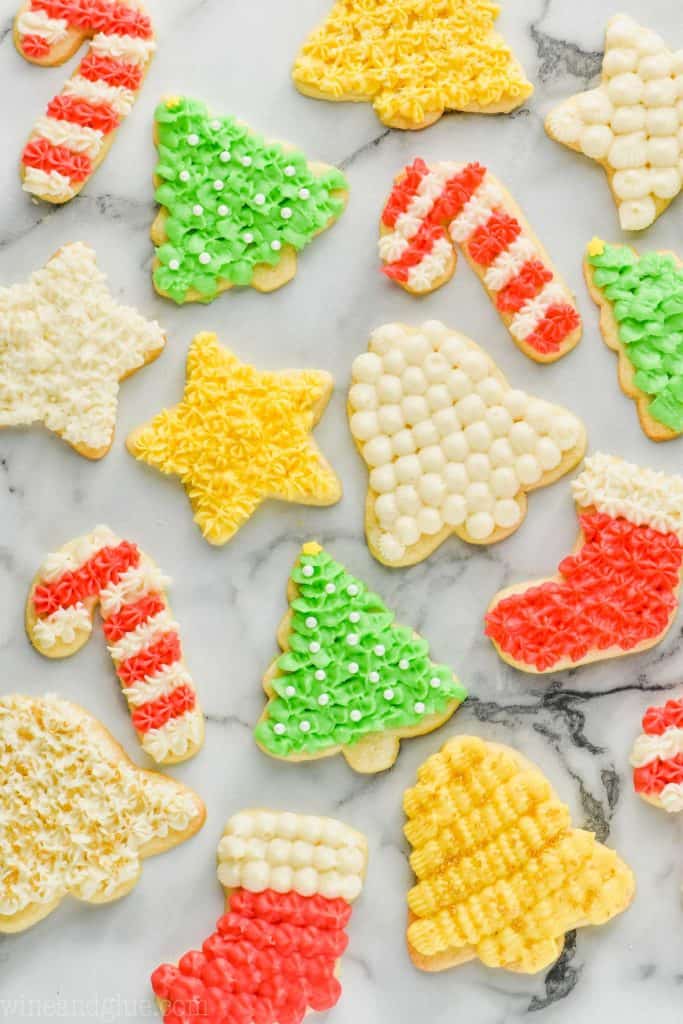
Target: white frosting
{"points": [[121, 47], [64, 345], [643, 496], [117, 97], [176, 738], [529, 317], [160, 684], [62, 626], [38, 23], [73, 136], [432, 267], [142, 636], [509, 262], [671, 797], [76, 552], [292, 852], [75, 814], [48, 184], [649, 748], [449, 444], [133, 583], [477, 209]]}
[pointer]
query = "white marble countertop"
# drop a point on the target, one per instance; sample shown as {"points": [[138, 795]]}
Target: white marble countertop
{"points": [[578, 726]]}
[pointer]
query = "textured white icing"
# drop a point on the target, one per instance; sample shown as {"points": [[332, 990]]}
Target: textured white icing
{"points": [[641, 495], [134, 582], [117, 97], [665, 746], [64, 345], [142, 636], [477, 209], [528, 318], [76, 552], [62, 626], [38, 23], [74, 136], [175, 738], [50, 184], [508, 263], [122, 47], [160, 684], [672, 797]]}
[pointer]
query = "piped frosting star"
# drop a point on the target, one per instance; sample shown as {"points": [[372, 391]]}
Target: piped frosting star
{"points": [[632, 124], [65, 344], [239, 436]]}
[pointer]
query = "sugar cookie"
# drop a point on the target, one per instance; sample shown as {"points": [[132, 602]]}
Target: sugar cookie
{"points": [[657, 757]]}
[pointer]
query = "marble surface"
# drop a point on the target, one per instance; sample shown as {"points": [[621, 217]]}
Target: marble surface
{"points": [[94, 963]]}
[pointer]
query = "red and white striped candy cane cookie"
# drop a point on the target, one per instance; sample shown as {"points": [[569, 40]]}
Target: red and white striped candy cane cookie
{"points": [[433, 208], [72, 138], [141, 635], [657, 757]]}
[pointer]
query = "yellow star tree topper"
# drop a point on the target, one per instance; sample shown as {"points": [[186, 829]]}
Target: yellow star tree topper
{"points": [[239, 436]]}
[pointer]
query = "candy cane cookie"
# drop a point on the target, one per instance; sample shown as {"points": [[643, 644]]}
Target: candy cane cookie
{"points": [[657, 757], [435, 207], [69, 142], [142, 636]]}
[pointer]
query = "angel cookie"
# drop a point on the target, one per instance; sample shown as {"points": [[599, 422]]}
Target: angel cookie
{"points": [[240, 436], [289, 881], [412, 60], [69, 142], [631, 124], [77, 817], [141, 634], [657, 757], [617, 593], [65, 344], [450, 446], [236, 209], [350, 679], [641, 319], [501, 874]]}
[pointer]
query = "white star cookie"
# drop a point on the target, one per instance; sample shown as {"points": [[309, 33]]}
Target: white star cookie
{"points": [[65, 343], [451, 447], [632, 124]]}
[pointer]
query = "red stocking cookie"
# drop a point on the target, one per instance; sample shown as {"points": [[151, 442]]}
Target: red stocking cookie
{"points": [[141, 634], [290, 880], [657, 757], [73, 137]]}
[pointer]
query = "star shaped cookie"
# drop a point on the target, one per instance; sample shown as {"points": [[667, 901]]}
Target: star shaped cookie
{"points": [[65, 343], [239, 436], [632, 124]]}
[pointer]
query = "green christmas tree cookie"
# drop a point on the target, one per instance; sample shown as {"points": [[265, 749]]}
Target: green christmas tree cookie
{"points": [[349, 680], [236, 209], [641, 303]]}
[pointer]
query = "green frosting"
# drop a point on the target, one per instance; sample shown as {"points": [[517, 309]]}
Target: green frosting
{"points": [[646, 293], [349, 670], [234, 201]]}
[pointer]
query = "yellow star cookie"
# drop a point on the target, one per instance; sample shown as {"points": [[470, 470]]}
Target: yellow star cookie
{"points": [[632, 124], [239, 436]]}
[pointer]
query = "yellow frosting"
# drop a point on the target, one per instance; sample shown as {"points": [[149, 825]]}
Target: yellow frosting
{"points": [[501, 873], [412, 58], [596, 246], [239, 436]]}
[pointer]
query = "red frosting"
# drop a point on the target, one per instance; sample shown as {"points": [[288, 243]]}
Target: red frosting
{"points": [[98, 16], [162, 652], [132, 615], [654, 776], [79, 111], [404, 191], [420, 245], [618, 590], [559, 321], [657, 720], [156, 713], [47, 157], [112, 71], [493, 237], [35, 46], [98, 572], [526, 285], [270, 960]]}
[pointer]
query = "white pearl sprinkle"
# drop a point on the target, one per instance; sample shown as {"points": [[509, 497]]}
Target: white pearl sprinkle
{"points": [[290, 691], [379, 650], [404, 664], [352, 590], [192, 139], [174, 264], [419, 707], [225, 156], [311, 622], [305, 726], [285, 213], [352, 639], [259, 199], [324, 699], [276, 245], [389, 694], [197, 210], [304, 193], [373, 677], [330, 588], [354, 617], [204, 258], [355, 715], [290, 170], [215, 126], [223, 210], [353, 667], [248, 237], [219, 185], [279, 728], [435, 682], [184, 175], [246, 161], [314, 647], [308, 570], [320, 675]]}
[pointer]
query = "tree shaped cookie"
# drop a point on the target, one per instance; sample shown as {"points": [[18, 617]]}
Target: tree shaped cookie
{"points": [[240, 436], [501, 873], [289, 880], [631, 124], [617, 593], [451, 448], [65, 343], [641, 319], [350, 680], [76, 815], [236, 209], [412, 59], [657, 757], [73, 137], [142, 637], [432, 208]]}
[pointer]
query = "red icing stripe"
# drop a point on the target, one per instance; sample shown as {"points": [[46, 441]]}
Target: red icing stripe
{"points": [[98, 16], [164, 651], [271, 959], [157, 713], [79, 111], [657, 720], [527, 284], [654, 776], [419, 247], [112, 71], [559, 321], [132, 615], [490, 239], [404, 192], [34, 46], [104, 568], [41, 153]]}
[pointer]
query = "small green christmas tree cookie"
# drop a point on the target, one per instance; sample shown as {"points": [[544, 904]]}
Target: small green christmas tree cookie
{"points": [[350, 680], [236, 209]]}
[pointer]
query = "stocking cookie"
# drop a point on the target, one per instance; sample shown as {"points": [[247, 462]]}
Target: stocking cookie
{"points": [[69, 142], [76, 815], [451, 448], [350, 680], [289, 880], [240, 436], [412, 61], [501, 873], [618, 592], [631, 124], [641, 319], [142, 637], [65, 343], [657, 757], [236, 209], [434, 207]]}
